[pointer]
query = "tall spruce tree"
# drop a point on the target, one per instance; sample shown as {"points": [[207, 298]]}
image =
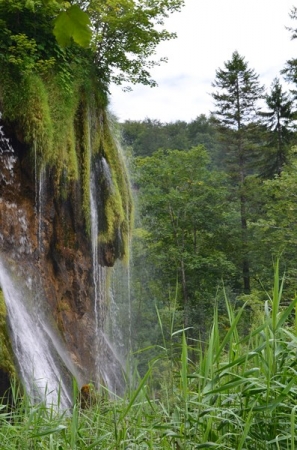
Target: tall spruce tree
{"points": [[278, 120], [290, 69], [237, 93]]}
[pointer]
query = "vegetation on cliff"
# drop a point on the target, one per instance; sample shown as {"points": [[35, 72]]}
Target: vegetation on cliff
{"points": [[57, 61], [6, 360], [53, 92]]}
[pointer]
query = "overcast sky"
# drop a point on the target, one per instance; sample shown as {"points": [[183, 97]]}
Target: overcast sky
{"points": [[209, 31]]}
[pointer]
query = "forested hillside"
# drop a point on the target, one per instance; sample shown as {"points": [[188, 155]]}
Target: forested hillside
{"points": [[216, 200]]}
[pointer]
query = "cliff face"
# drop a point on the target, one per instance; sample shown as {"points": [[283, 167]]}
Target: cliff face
{"points": [[59, 234], [65, 204]]}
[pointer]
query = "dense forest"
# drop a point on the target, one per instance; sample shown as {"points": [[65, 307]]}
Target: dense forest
{"points": [[216, 201]]}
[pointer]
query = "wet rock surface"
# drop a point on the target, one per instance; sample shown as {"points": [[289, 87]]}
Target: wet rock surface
{"points": [[43, 239]]}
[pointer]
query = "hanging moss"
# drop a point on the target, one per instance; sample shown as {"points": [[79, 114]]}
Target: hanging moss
{"points": [[118, 202], [42, 113], [85, 150], [98, 142], [24, 103], [55, 101], [6, 353], [66, 127], [63, 106]]}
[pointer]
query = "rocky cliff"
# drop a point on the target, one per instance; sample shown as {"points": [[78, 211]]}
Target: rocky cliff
{"points": [[65, 212]]}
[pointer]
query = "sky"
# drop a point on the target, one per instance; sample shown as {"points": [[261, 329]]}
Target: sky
{"points": [[209, 31]]}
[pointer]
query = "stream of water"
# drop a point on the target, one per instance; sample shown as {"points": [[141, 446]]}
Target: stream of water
{"points": [[42, 359], [109, 368], [38, 352]]}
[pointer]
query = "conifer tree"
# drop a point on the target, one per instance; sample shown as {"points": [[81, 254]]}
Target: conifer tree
{"points": [[290, 69], [278, 120], [237, 93]]}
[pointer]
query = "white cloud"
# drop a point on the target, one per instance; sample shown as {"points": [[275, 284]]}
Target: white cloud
{"points": [[208, 33]]}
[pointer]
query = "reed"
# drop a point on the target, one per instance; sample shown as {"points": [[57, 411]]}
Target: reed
{"points": [[237, 392]]}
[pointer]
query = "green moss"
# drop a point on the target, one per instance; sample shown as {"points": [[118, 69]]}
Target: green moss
{"points": [[118, 204], [66, 127], [6, 353], [24, 103], [55, 99], [86, 162], [97, 142], [63, 106]]}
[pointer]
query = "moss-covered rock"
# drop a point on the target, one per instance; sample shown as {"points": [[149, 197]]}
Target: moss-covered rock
{"points": [[53, 106], [6, 354], [67, 129]]}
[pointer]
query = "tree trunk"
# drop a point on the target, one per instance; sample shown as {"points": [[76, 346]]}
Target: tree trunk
{"points": [[244, 239], [185, 294], [244, 234]]}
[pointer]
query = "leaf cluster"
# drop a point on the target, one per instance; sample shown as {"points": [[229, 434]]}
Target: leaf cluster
{"points": [[119, 36], [183, 208], [125, 36]]}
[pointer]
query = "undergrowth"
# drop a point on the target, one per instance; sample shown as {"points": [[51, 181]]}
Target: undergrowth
{"points": [[237, 392]]}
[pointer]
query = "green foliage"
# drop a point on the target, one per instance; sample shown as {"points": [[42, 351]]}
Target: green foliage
{"points": [[148, 136], [238, 92], [6, 353], [26, 39], [240, 394], [73, 24], [183, 208], [278, 120], [118, 201], [126, 33], [274, 230], [290, 69], [25, 103], [121, 35], [22, 53]]}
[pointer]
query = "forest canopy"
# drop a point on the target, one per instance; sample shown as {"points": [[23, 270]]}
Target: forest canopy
{"points": [[217, 199], [118, 36]]}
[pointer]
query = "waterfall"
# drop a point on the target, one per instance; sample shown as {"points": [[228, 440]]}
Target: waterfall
{"points": [[119, 314], [109, 365], [99, 277], [42, 360], [40, 355], [56, 286], [8, 161], [39, 207], [109, 368]]}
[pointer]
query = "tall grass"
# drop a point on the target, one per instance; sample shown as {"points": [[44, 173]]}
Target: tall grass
{"points": [[240, 392]]}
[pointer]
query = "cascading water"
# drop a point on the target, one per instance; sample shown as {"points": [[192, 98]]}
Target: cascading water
{"points": [[109, 369], [119, 317], [120, 314], [99, 276], [39, 205], [38, 352], [56, 290], [44, 365], [8, 159]]}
